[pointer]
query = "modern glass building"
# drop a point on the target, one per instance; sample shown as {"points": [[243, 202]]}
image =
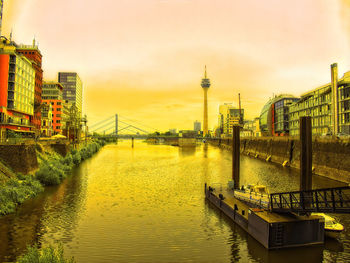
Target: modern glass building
{"points": [[344, 103], [72, 89], [318, 104], [274, 119]]}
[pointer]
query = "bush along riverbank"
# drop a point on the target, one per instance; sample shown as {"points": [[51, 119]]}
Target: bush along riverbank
{"points": [[52, 170], [46, 255]]}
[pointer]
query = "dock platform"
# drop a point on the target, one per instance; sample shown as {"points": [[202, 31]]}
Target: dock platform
{"points": [[272, 230]]}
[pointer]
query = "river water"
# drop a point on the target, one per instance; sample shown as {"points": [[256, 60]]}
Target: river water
{"points": [[146, 204]]}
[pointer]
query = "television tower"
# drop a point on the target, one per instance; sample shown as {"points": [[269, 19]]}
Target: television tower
{"points": [[205, 85]]}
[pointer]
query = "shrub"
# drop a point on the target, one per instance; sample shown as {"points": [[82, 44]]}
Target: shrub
{"points": [[46, 255], [68, 160], [16, 191], [50, 173], [76, 158]]}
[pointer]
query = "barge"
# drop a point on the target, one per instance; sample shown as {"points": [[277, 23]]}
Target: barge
{"points": [[272, 230]]}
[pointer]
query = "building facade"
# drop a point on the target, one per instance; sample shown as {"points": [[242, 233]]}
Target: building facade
{"points": [[46, 120], [251, 128], [53, 94], [229, 116], [274, 117], [197, 126], [344, 103], [328, 105], [17, 82], [72, 89], [33, 53]]}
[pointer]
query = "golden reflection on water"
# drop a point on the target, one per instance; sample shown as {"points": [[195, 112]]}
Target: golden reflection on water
{"points": [[146, 204]]}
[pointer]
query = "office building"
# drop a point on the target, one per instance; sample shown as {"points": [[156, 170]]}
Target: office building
{"points": [[251, 128], [197, 126], [17, 84], [33, 53], [274, 117], [229, 116], [328, 105], [72, 89]]}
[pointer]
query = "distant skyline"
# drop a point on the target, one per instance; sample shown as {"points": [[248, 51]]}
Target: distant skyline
{"points": [[144, 59]]}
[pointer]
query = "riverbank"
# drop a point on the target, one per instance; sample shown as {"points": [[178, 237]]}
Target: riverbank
{"points": [[330, 155], [49, 168]]}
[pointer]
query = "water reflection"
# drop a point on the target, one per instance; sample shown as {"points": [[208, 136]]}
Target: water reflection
{"points": [[53, 213], [187, 151], [146, 204]]}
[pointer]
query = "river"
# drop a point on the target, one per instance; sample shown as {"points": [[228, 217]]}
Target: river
{"points": [[146, 204]]}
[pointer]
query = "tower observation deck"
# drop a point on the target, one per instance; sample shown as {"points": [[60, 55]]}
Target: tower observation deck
{"points": [[205, 85]]}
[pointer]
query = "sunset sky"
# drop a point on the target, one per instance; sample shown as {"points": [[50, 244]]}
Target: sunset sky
{"points": [[144, 59]]}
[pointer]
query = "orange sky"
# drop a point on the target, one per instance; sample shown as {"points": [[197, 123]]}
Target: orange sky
{"points": [[144, 59]]}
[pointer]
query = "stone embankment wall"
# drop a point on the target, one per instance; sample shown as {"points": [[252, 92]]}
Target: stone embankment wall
{"points": [[331, 156], [60, 146], [22, 158]]}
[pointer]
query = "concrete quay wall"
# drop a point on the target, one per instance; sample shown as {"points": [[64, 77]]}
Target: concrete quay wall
{"points": [[331, 156]]}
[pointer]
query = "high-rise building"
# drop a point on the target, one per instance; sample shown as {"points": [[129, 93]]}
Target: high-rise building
{"points": [[274, 117], [205, 85], [229, 116], [328, 105], [17, 81], [33, 53], [72, 89], [197, 126], [53, 95]]}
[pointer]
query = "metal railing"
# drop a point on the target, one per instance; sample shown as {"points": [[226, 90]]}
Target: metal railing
{"points": [[328, 200]]}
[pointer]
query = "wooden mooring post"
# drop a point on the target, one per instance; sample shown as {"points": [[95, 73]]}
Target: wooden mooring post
{"points": [[305, 153], [236, 155]]}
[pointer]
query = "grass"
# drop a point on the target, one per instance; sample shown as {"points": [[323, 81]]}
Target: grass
{"points": [[45, 255]]}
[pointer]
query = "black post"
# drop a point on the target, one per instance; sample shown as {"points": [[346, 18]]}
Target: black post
{"points": [[235, 155], [132, 142], [305, 154]]}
